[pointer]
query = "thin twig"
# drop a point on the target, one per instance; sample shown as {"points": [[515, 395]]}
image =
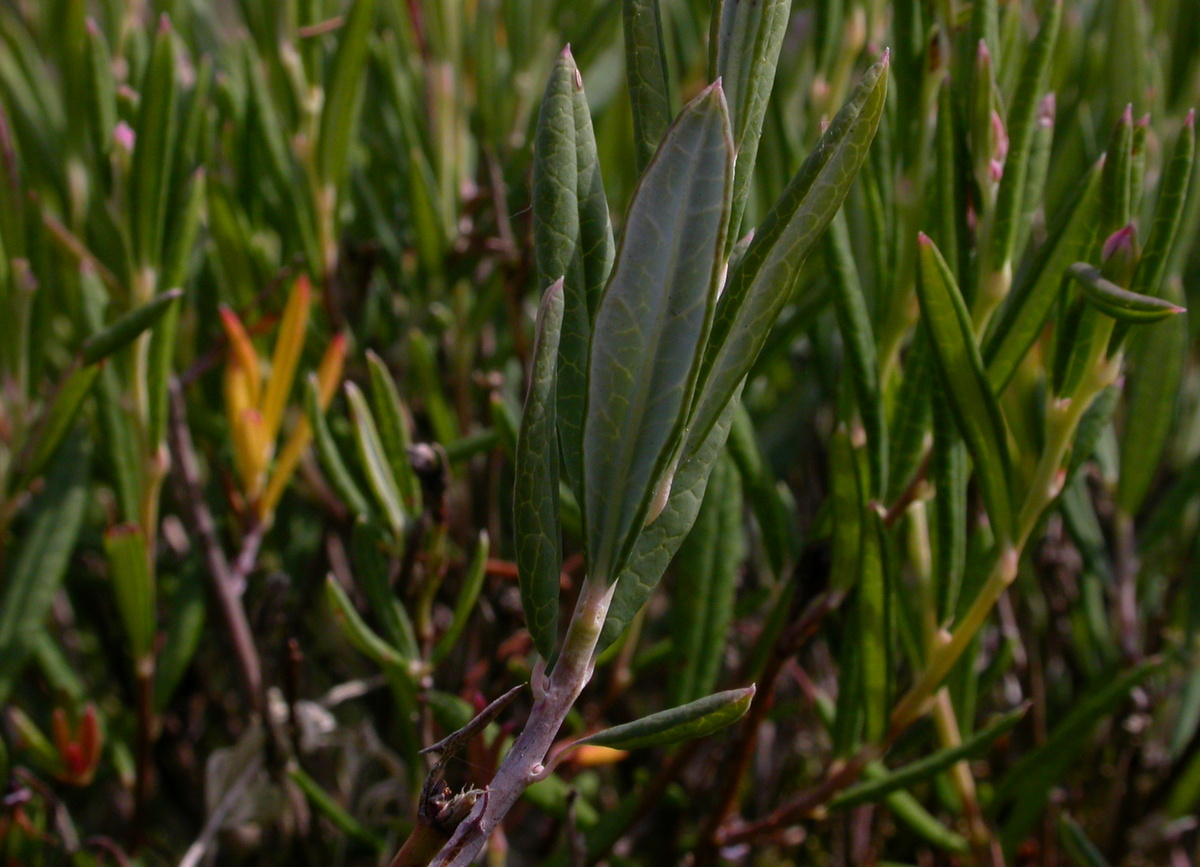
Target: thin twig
{"points": [[224, 581]]}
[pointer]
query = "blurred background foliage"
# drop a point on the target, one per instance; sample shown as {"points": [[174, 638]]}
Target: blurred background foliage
{"points": [[344, 189]]}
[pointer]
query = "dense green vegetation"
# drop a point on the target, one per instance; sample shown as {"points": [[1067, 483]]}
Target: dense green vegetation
{"points": [[761, 434]]}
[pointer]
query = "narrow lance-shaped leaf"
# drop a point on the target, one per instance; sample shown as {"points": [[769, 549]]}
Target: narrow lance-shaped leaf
{"points": [[1036, 291], [344, 92], [961, 369], [706, 569], [536, 529], [374, 461], [902, 778], [55, 422], [123, 332], [1022, 119], [395, 430], [1115, 194], [133, 586], [153, 149], [335, 468], [467, 596], [1157, 357], [773, 509], [694, 720], [1120, 303], [1029, 780], [646, 71], [1036, 170], [760, 285], [38, 564], [364, 639], [1168, 212], [651, 327], [749, 36], [572, 238], [369, 555], [289, 343], [657, 544], [854, 322]]}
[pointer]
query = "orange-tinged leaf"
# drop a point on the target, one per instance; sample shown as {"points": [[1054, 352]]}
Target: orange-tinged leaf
{"points": [[241, 352], [592, 756], [329, 374], [288, 346]]}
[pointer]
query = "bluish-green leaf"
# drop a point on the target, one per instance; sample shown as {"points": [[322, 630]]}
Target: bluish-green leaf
{"points": [[760, 285], [961, 369], [694, 720], [572, 238], [749, 36], [646, 72], [650, 330], [537, 532]]}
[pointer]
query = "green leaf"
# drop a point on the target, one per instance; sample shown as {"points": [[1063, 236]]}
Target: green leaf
{"points": [[101, 90], [572, 238], [183, 630], [127, 328], [40, 561], [372, 573], [395, 431], [344, 93], [467, 596], [364, 639], [1168, 212], [1120, 304], [56, 421], [773, 508], [650, 330], [910, 774], [858, 341], [958, 362], [1028, 782], [658, 543], [133, 585], [374, 460], [694, 720], [1154, 372], [1021, 120], [706, 570], [760, 284], [646, 72], [154, 146], [537, 533], [1036, 289], [327, 451], [749, 36]]}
